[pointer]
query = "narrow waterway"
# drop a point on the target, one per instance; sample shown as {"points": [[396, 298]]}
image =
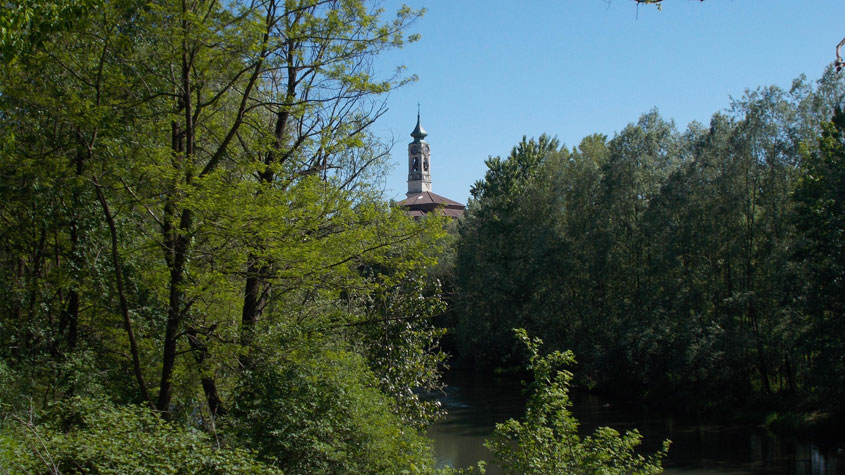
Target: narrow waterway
{"points": [[477, 402]]}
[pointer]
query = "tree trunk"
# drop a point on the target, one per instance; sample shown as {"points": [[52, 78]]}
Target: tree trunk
{"points": [[175, 310], [257, 289], [69, 320], [182, 146], [124, 306], [256, 293], [209, 386]]}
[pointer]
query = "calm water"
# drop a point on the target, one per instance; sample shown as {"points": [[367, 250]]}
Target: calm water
{"points": [[475, 403]]}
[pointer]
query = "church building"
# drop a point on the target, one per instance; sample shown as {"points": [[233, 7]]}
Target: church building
{"points": [[420, 200]]}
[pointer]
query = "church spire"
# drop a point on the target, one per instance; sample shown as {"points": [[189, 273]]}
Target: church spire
{"points": [[419, 133]]}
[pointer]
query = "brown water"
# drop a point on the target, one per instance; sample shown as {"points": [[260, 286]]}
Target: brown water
{"points": [[476, 402]]}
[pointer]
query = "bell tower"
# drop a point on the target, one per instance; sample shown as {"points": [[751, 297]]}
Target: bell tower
{"points": [[420, 200], [419, 161]]}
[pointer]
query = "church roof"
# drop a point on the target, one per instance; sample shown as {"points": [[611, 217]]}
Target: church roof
{"points": [[419, 204], [429, 198]]}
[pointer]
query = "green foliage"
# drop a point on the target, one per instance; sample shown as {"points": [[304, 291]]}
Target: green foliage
{"points": [[546, 440], [25, 25], [820, 216], [497, 254], [505, 178], [310, 406], [401, 345], [178, 179], [676, 265], [92, 436], [786, 423]]}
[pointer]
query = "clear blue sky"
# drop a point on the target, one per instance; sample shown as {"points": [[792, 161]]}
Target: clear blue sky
{"points": [[493, 71]]}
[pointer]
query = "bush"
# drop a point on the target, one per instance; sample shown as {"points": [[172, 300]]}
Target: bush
{"points": [[547, 441], [91, 436], [310, 406]]}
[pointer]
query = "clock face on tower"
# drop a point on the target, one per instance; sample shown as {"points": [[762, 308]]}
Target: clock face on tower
{"points": [[425, 148], [415, 149]]}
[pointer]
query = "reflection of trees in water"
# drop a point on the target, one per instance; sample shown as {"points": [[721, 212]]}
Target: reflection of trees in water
{"points": [[476, 402]]}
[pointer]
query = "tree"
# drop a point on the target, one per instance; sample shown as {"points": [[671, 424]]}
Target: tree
{"points": [[181, 178], [91, 435], [665, 260], [821, 252], [316, 408], [496, 253]]}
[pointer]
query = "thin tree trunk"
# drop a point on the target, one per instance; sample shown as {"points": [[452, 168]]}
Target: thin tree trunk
{"points": [[124, 308], [257, 289], [209, 386], [174, 311], [177, 242], [256, 293], [69, 319]]}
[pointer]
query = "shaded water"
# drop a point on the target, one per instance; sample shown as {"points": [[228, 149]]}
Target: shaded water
{"points": [[476, 402]]}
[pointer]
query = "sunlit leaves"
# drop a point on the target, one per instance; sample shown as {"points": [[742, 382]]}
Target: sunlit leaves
{"points": [[91, 435]]}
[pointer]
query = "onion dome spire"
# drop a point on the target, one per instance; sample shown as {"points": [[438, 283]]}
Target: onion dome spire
{"points": [[419, 133]]}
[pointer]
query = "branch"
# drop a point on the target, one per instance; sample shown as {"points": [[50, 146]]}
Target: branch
{"points": [[239, 118], [373, 321], [139, 201], [45, 457]]}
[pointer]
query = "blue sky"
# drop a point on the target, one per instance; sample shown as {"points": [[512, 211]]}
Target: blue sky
{"points": [[493, 71]]}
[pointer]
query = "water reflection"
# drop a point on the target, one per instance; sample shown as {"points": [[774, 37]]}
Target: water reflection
{"points": [[475, 403]]}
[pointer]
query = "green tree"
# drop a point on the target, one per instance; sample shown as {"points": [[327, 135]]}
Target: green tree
{"points": [[666, 261], [315, 408], [180, 178], [496, 253], [90, 435], [401, 344], [821, 251]]}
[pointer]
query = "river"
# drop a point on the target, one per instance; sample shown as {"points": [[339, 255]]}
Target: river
{"points": [[476, 402]]}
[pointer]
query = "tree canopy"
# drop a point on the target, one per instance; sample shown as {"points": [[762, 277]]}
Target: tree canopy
{"points": [[681, 266], [193, 224]]}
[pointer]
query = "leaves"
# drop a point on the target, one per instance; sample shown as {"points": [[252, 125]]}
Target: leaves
{"points": [[180, 180], [546, 440], [669, 262], [91, 435], [314, 407]]}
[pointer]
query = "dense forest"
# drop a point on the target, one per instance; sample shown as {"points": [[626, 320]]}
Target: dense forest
{"points": [[701, 268], [200, 273]]}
